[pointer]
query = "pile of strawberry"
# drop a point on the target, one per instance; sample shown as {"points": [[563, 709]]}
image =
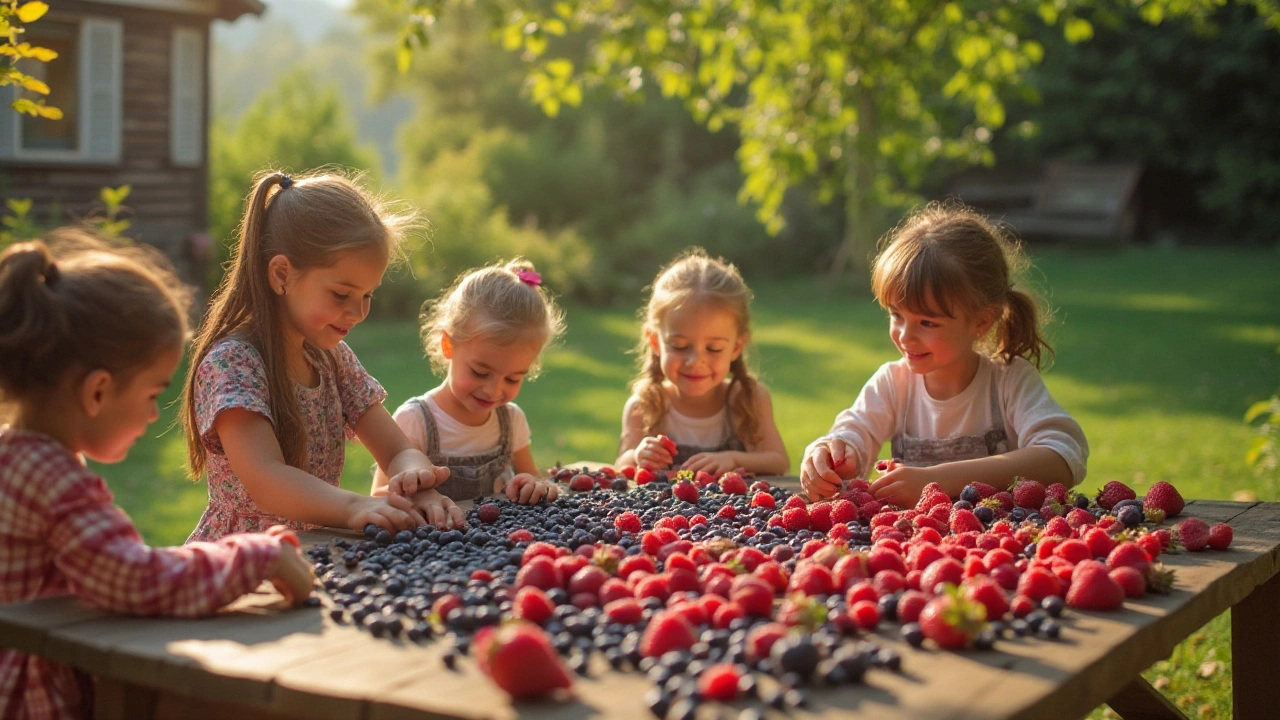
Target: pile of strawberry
{"points": [[735, 583]]}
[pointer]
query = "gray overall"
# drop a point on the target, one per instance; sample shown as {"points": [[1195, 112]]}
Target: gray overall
{"points": [[925, 452], [731, 442], [470, 476]]}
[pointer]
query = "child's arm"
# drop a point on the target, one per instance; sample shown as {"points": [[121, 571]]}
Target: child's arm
{"points": [[276, 487], [768, 457], [405, 468], [637, 449], [902, 486], [850, 448], [527, 486]]}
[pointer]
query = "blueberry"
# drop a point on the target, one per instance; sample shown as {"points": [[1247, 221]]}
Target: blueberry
{"points": [[912, 634], [371, 530], [1053, 606], [383, 537]]}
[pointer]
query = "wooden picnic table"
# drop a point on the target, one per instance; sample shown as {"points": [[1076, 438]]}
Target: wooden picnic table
{"points": [[255, 660]]}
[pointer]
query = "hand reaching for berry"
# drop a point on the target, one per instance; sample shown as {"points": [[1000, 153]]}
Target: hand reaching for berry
{"points": [[408, 482], [439, 510], [294, 577], [527, 489], [825, 468], [655, 452], [716, 463], [901, 484], [390, 512]]}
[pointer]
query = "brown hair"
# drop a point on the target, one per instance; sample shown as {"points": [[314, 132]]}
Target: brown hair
{"points": [[695, 280], [72, 303], [493, 303], [947, 258], [311, 220]]}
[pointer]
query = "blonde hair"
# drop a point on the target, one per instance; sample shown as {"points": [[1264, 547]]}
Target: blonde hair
{"points": [[311, 220], [493, 303], [694, 280], [948, 258], [72, 303]]}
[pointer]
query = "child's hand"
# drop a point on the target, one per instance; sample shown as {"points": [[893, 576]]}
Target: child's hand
{"points": [[656, 452], [716, 463], [294, 577], [406, 483], [439, 510], [389, 512], [527, 489], [901, 484], [818, 475]]}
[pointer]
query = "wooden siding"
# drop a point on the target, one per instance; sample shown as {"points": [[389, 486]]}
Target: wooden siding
{"points": [[167, 204]]}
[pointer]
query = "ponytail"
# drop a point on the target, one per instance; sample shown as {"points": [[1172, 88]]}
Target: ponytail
{"points": [[1017, 331]]}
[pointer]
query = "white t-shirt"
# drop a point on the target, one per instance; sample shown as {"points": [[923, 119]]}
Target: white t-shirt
{"points": [[1032, 418], [696, 431], [456, 437]]}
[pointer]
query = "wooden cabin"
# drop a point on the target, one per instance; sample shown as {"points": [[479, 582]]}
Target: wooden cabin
{"points": [[132, 79]]}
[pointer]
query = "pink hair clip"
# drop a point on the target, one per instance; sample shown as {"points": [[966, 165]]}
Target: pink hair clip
{"points": [[529, 277]]}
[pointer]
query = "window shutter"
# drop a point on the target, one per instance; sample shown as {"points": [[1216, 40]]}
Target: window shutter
{"points": [[101, 42], [8, 123], [186, 97]]}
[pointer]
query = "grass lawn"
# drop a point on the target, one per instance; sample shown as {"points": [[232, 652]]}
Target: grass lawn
{"points": [[1160, 351]]}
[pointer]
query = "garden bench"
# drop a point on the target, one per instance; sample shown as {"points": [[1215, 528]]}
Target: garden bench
{"points": [[256, 661], [1061, 201]]}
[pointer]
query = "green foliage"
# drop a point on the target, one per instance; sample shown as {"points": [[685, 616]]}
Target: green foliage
{"points": [[295, 125], [18, 223], [14, 18]]}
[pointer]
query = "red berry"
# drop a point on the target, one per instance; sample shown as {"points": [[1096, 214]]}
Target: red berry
{"points": [[489, 512], [628, 522], [719, 682], [1220, 536], [763, 499]]}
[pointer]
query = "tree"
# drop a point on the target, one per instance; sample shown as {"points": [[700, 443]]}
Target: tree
{"points": [[859, 97]]}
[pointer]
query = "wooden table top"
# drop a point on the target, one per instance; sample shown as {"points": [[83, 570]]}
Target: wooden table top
{"points": [[300, 662]]}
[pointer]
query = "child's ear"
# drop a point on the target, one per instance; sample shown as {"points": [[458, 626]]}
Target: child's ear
{"points": [[446, 346], [93, 392], [278, 271], [985, 319]]}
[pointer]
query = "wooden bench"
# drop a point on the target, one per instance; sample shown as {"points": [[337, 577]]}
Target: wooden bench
{"points": [[254, 661], [1060, 201]]}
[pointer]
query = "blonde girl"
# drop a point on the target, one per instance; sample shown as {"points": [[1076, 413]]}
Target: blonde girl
{"points": [[89, 337], [485, 334], [965, 402], [694, 392], [274, 393]]}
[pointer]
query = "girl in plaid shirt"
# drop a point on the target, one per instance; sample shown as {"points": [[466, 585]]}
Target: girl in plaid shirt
{"points": [[274, 393], [89, 337]]}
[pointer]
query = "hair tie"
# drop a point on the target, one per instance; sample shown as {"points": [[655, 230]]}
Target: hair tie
{"points": [[286, 182], [529, 277], [51, 275]]}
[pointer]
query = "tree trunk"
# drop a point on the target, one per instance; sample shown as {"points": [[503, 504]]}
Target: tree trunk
{"points": [[860, 210]]}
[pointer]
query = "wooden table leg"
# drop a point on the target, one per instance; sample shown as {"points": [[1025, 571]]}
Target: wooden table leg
{"points": [[1139, 701], [114, 700], [1255, 652]]}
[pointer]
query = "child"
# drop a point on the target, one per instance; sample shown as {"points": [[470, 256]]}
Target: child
{"points": [[966, 402], [87, 343], [274, 393], [485, 333], [694, 389]]}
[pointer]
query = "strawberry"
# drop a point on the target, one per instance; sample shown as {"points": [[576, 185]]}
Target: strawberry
{"points": [[761, 638], [796, 518], [1193, 533], [668, 444], [763, 499], [533, 605], [753, 595], [686, 491], [946, 571], [1093, 589], [520, 659], [666, 631], [1028, 494], [820, 517], [801, 610], [1113, 492], [795, 501], [1079, 518], [581, 483], [726, 614], [614, 589], [1129, 554], [628, 522], [703, 478], [1099, 541], [984, 490], [588, 580], [989, 594], [1057, 492], [843, 511], [540, 572], [719, 682], [1220, 536], [1151, 545], [910, 605], [1004, 499], [812, 578], [628, 472], [733, 484], [1038, 583], [1163, 496], [965, 521], [520, 535], [1131, 580], [951, 620], [865, 614]]}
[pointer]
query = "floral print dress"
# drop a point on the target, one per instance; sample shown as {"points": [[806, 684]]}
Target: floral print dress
{"points": [[232, 375]]}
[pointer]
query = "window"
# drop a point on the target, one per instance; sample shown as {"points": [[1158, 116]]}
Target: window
{"points": [[84, 82]]}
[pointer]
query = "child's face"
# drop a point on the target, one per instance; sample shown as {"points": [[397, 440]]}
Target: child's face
{"points": [[123, 412], [484, 374], [696, 346], [322, 304], [933, 342]]}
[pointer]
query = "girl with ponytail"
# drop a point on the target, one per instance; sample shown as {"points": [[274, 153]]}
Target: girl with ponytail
{"points": [[965, 402], [695, 405], [274, 393]]}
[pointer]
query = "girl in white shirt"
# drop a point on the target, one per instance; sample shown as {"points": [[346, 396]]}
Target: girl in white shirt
{"points": [[486, 333], [695, 404], [965, 403]]}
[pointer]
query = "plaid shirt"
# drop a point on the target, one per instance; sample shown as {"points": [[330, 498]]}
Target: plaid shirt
{"points": [[60, 532]]}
